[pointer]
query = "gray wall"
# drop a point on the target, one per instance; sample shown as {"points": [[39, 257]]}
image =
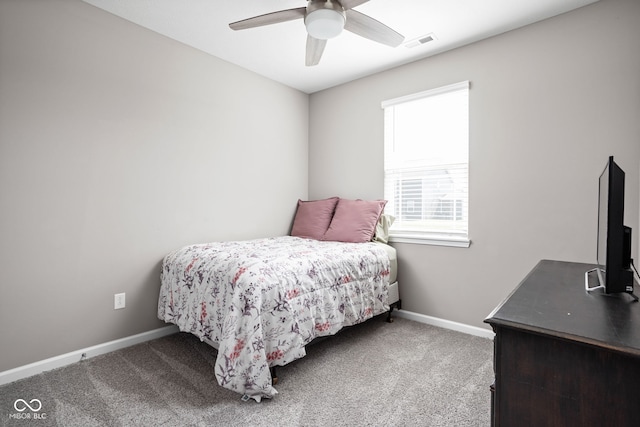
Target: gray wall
{"points": [[548, 104], [118, 145]]}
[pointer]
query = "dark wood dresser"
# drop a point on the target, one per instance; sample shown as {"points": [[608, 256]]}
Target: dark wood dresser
{"points": [[564, 357]]}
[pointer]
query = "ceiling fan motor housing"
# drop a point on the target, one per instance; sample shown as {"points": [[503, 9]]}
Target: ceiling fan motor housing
{"points": [[324, 19]]}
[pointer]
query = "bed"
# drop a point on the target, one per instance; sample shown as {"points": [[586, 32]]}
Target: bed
{"points": [[261, 301]]}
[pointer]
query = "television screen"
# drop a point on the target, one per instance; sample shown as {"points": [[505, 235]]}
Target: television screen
{"points": [[603, 206], [614, 239]]}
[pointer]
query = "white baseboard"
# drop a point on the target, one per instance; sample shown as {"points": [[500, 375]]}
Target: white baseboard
{"points": [[75, 356], [447, 324]]}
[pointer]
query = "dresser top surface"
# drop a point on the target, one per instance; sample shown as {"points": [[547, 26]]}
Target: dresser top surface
{"points": [[552, 300]]}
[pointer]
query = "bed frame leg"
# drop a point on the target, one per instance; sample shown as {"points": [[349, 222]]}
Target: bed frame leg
{"points": [[274, 377], [398, 305]]}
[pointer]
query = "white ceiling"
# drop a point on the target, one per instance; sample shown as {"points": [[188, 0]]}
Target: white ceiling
{"points": [[278, 51]]}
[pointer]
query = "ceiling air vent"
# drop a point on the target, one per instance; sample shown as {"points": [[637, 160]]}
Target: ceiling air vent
{"points": [[420, 40]]}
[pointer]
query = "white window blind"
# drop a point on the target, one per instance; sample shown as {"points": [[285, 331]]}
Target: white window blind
{"points": [[426, 165]]}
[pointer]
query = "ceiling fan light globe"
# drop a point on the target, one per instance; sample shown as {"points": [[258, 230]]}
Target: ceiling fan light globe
{"points": [[324, 24]]}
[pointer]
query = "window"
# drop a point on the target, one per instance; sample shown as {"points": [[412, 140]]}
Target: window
{"points": [[426, 165]]}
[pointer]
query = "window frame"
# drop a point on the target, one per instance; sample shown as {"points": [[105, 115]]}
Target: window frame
{"points": [[429, 237]]}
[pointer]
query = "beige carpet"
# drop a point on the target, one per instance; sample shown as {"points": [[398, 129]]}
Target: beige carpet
{"points": [[400, 374]]}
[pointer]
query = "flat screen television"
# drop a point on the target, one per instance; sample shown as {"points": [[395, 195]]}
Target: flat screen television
{"points": [[614, 238]]}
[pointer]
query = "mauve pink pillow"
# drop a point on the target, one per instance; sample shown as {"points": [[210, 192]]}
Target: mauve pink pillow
{"points": [[313, 218], [354, 220]]}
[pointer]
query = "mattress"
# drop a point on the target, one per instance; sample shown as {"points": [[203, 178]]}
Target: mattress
{"points": [[393, 261], [263, 300]]}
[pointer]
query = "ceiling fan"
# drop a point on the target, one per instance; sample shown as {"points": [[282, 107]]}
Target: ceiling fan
{"points": [[326, 19]]}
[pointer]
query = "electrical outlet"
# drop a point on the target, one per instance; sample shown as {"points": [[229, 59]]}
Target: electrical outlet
{"points": [[118, 301]]}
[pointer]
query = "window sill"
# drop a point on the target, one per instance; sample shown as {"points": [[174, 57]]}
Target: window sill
{"points": [[456, 242]]}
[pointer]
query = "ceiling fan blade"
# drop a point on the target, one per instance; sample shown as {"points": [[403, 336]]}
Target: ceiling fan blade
{"points": [[315, 47], [350, 4], [269, 18], [367, 27]]}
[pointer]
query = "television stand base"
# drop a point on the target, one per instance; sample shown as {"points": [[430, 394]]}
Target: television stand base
{"points": [[600, 283], [600, 280]]}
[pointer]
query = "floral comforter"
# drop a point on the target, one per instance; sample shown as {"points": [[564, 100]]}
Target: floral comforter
{"points": [[261, 301]]}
